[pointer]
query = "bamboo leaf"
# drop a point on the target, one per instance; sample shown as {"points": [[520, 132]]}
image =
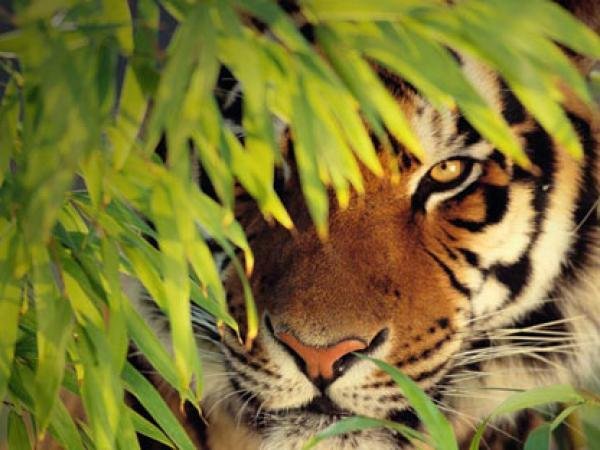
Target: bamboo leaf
{"points": [[155, 405], [117, 12], [147, 428], [18, 438], [10, 303], [54, 325], [146, 340], [127, 437], [63, 429]]}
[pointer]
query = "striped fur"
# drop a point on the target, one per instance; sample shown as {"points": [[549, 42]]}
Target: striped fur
{"points": [[482, 288]]}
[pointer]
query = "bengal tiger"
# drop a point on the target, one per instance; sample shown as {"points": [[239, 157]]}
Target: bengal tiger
{"points": [[471, 275]]}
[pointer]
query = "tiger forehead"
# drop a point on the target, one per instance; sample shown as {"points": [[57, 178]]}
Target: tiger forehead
{"points": [[443, 132]]}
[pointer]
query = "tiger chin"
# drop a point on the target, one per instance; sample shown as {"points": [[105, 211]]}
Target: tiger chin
{"points": [[468, 273]]}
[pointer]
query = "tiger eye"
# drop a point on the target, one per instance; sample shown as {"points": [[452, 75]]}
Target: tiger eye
{"points": [[447, 171]]}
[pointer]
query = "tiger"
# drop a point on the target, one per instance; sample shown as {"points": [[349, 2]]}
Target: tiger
{"points": [[473, 276]]}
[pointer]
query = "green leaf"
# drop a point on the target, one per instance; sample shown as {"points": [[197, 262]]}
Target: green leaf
{"points": [[305, 145], [116, 332], [539, 396], [348, 10], [376, 101], [80, 292], [175, 227], [101, 389], [438, 427], [18, 438], [147, 428], [539, 439], [564, 414], [63, 428], [126, 437], [117, 12], [54, 325], [153, 350], [132, 109], [10, 301], [359, 423], [151, 400], [535, 397]]}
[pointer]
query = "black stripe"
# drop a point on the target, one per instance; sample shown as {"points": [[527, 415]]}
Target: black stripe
{"points": [[412, 359], [589, 192], [512, 109], [513, 276], [546, 313], [431, 373], [540, 150], [464, 127], [496, 205], [471, 257], [498, 158], [453, 280], [451, 253]]}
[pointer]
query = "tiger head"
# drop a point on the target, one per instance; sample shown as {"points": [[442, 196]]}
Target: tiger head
{"points": [[466, 272], [470, 274]]}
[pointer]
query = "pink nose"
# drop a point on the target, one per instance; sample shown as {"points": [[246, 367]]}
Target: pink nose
{"points": [[319, 361]]}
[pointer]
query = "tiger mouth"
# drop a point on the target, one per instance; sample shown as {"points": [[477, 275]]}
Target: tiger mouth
{"points": [[321, 406]]}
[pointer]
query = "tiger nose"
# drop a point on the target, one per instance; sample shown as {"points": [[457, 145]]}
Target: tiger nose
{"points": [[320, 361]]}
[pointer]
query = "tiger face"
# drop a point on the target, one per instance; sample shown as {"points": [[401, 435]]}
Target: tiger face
{"points": [[468, 273]]}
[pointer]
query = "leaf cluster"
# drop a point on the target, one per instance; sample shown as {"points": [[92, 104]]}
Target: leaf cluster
{"points": [[88, 90]]}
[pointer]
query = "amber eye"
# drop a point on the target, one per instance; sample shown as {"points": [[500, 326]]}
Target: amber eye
{"points": [[448, 171]]}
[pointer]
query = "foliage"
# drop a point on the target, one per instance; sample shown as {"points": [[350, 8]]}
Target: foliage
{"points": [[88, 93]]}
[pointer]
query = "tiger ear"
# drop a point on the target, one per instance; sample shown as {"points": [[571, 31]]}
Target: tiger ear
{"points": [[588, 12]]}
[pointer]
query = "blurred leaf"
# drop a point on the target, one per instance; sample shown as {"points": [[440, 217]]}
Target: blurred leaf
{"points": [[18, 438], [80, 292], [54, 325], [305, 146], [63, 428], [174, 228], [41, 9], [116, 329], [10, 302], [332, 10], [128, 123], [117, 12], [100, 389], [539, 439]]}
